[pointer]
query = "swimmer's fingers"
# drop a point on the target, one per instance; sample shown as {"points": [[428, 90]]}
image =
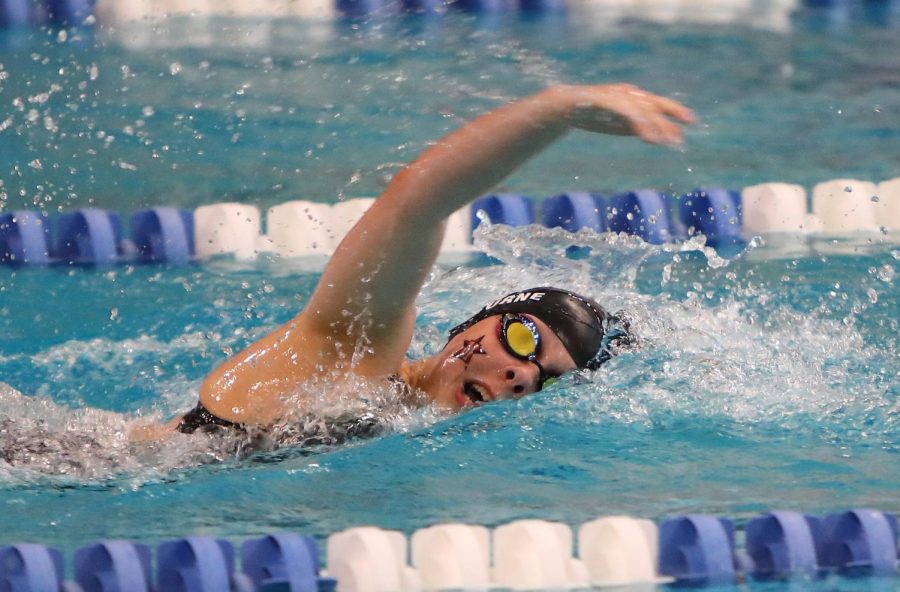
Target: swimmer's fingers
{"points": [[624, 109], [627, 120], [675, 110]]}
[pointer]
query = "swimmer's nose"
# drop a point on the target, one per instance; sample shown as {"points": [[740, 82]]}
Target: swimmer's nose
{"points": [[519, 380]]}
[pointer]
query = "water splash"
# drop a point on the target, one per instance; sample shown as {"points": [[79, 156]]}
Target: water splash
{"points": [[722, 361], [43, 442], [699, 358]]}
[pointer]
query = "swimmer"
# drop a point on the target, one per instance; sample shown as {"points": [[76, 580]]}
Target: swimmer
{"points": [[360, 318]]}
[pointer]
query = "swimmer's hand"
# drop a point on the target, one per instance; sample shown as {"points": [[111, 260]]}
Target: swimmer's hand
{"points": [[624, 110]]}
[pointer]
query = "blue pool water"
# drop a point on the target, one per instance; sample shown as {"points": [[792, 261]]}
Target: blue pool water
{"points": [[764, 380]]}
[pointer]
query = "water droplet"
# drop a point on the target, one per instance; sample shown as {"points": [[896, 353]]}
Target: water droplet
{"points": [[873, 295], [848, 189], [875, 198]]}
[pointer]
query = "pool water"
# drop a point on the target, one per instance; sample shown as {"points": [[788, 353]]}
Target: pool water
{"points": [[766, 378]]}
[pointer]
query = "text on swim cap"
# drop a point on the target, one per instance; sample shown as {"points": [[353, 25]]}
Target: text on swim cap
{"points": [[519, 297]]}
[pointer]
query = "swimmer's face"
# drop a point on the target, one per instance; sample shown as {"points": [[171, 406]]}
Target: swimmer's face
{"points": [[475, 367]]}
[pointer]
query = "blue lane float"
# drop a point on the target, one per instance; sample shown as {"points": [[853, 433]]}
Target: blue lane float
{"points": [[504, 208], [782, 544], [195, 564], [163, 235], [698, 550], [113, 566], [88, 236], [284, 561], [715, 213], [643, 213], [69, 13], [15, 13], [359, 8], [24, 238], [28, 567], [575, 210], [860, 542], [484, 5], [542, 5], [422, 6]]}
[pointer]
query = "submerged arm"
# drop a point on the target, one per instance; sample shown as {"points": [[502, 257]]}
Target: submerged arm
{"points": [[369, 286]]}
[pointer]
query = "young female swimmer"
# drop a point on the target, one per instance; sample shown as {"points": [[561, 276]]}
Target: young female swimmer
{"points": [[364, 301]]}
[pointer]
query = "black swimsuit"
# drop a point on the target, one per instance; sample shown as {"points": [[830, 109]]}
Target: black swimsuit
{"points": [[201, 417]]}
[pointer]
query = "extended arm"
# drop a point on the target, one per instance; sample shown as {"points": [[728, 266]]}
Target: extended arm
{"points": [[364, 302], [381, 264]]}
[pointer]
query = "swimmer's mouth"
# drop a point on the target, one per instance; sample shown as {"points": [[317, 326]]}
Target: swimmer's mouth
{"points": [[476, 393]]}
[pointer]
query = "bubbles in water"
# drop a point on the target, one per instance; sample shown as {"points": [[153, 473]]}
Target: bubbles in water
{"points": [[886, 273]]}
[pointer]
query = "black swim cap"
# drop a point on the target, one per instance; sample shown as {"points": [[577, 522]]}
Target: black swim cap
{"points": [[586, 330]]}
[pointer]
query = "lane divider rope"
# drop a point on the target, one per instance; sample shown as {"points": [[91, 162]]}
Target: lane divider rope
{"points": [[166, 234], [694, 550]]}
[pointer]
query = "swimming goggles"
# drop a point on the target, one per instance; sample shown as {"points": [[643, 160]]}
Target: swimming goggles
{"points": [[520, 337]]}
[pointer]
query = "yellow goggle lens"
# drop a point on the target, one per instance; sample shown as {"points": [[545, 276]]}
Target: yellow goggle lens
{"points": [[520, 339]]}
